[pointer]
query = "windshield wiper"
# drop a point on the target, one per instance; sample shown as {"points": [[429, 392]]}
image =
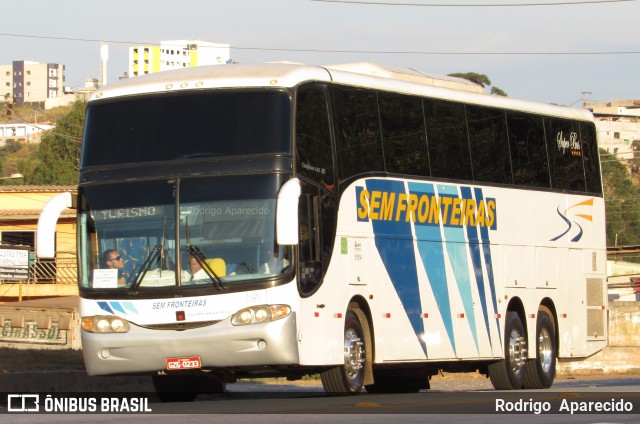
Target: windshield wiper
{"points": [[200, 258], [153, 256]]}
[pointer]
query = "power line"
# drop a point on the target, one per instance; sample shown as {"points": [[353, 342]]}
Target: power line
{"points": [[42, 37], [409, 52], [436, 53], [560, 3]]}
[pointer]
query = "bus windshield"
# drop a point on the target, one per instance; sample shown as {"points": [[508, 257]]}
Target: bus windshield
{"points": [[185, 126], [213, 231]]}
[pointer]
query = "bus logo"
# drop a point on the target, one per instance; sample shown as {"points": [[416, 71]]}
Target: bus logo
{"points": [[572, 224]]}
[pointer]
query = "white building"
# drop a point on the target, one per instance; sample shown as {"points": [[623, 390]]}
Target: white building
{"points": [[176, 54], [28, 133], [618, 126]]}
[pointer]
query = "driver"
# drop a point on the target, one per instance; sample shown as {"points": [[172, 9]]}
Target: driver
{"points": [[113, 260]]}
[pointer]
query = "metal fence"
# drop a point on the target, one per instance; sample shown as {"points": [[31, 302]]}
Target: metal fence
{"points": [[54, 271]]}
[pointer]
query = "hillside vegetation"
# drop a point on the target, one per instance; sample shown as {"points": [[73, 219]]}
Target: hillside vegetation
{"points": [[55, 160]]}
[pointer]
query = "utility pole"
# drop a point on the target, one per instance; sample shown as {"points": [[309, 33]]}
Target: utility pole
{"points": [[584, 97]]}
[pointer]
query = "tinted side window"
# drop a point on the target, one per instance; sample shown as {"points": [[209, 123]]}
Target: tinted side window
{"points": [[447, 140], [590, 157], [565, 154], [357, 131], [313, 140], [489, 145], [528, 152], [403, 134]]}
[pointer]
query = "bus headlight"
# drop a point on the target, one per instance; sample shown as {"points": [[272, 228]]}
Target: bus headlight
{"points": [[260, 314], [105, 324]]}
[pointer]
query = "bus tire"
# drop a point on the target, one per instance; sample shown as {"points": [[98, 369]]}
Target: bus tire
{"points": [[349, 377], [541, 371], [508, 373], [184, 388]]}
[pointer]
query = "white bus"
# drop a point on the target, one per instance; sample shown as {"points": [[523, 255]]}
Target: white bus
{"points": [[371, 225]]}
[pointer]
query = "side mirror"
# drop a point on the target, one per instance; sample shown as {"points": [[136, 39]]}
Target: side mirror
{"points": [[287, 213], [47, 221]]}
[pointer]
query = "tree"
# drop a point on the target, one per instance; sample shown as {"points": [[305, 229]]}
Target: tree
{"points": [[622, 200], [498, 92], [58, 159], [480, 79]]}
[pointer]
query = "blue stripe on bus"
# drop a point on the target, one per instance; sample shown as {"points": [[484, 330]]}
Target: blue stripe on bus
{"points": [[456, 248], [486, 250], [129, 306], [122, 307], [432, 255], [394, 240], [392, 228], [118, 307], [474, 252], [105, 307]]}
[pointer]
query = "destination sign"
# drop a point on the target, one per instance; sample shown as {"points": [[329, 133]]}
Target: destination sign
{"points": [[128, 213]]}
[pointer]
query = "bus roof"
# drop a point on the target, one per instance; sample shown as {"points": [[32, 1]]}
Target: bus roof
{"points": [[363, 74]]}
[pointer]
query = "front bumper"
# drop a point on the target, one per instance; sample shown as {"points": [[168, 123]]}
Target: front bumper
{"points": [[219, 345]]}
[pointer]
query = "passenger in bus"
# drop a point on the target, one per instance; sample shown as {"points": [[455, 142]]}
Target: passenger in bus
{"points": [[275, 262], [199, 275], [112, 259]]}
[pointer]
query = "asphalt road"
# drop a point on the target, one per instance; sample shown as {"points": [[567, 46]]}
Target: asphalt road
{"points": [[451, 403]]}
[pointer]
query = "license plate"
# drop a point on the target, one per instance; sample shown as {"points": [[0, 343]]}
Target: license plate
{"points": [[183, 363]]}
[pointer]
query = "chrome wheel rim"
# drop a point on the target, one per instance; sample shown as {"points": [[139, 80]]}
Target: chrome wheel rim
{"points": [[517, 351], [354, 357], [545, 350]]}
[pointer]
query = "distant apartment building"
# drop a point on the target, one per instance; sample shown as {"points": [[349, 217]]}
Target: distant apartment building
{"points": [[27, 81], [618, 127], [176, 54]]}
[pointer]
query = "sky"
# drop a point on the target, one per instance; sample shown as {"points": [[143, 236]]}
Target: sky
{"points": [[558, 53]]}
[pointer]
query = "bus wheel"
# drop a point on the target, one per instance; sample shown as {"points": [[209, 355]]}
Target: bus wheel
{"points": [[184, 388], [508, 373], [541, 371], [348, 378]]}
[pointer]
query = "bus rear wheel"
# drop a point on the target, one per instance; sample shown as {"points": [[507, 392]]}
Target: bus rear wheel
{"points": [[541, 371], [508, 373], [349, 377]]}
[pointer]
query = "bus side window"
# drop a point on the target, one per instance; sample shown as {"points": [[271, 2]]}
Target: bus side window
{"points": [[447, 140], [403, 132], [565, 149], [309, 246], [357, 131], [590, 157], [317, 233], [489, 144], [314, 157], [528, 150]]}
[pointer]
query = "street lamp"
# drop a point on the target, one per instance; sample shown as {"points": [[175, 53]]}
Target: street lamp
{"points": [[14, 176]]}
